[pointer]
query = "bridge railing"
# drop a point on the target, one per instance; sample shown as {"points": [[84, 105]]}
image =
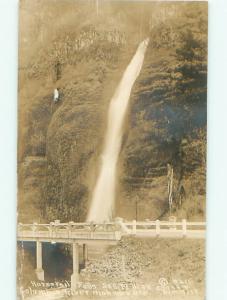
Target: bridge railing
{"points": [[71, 230], [159, 227], [109, 230]]}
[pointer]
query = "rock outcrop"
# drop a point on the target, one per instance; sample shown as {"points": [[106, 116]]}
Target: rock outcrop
{"points": [[85, 59]]}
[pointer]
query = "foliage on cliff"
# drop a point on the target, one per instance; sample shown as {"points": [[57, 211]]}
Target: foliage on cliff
{"points": [[69, 46]]}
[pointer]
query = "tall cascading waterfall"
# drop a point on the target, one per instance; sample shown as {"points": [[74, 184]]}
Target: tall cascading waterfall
{"points": [[102, 204]]}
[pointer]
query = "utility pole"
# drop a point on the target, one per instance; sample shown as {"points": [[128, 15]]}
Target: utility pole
{"points": [[97, 7], [136, 207], [170, 186]]}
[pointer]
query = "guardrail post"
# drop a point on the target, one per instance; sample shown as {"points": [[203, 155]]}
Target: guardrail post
{"points": [[157, 227], [118, 228], [39, 268], [70, 229], [51, 231], [75, 274], [122, 227], [118, 221], [34, 228], [19, 228], [134, 226], [184, 227]]}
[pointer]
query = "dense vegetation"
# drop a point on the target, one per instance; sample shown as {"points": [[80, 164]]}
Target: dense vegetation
{"points": [[69, 46]]}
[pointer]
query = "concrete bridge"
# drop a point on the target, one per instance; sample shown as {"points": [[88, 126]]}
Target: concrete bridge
{"points": [[109, 233]]}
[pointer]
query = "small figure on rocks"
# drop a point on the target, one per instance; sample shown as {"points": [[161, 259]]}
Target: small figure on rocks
{"points": [[56, 95]]}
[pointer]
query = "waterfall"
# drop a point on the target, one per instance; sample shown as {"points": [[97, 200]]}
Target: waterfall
{"points": [[102, 204]]}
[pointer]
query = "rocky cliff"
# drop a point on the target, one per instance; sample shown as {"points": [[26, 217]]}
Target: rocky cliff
{"points": [[83, 53]]}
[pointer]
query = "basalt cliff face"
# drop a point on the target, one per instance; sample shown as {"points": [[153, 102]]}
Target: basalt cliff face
{"points": [[83, 52]]}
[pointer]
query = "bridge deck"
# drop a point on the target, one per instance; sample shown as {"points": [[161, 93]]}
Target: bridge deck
{"points": [[63, 236]]}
